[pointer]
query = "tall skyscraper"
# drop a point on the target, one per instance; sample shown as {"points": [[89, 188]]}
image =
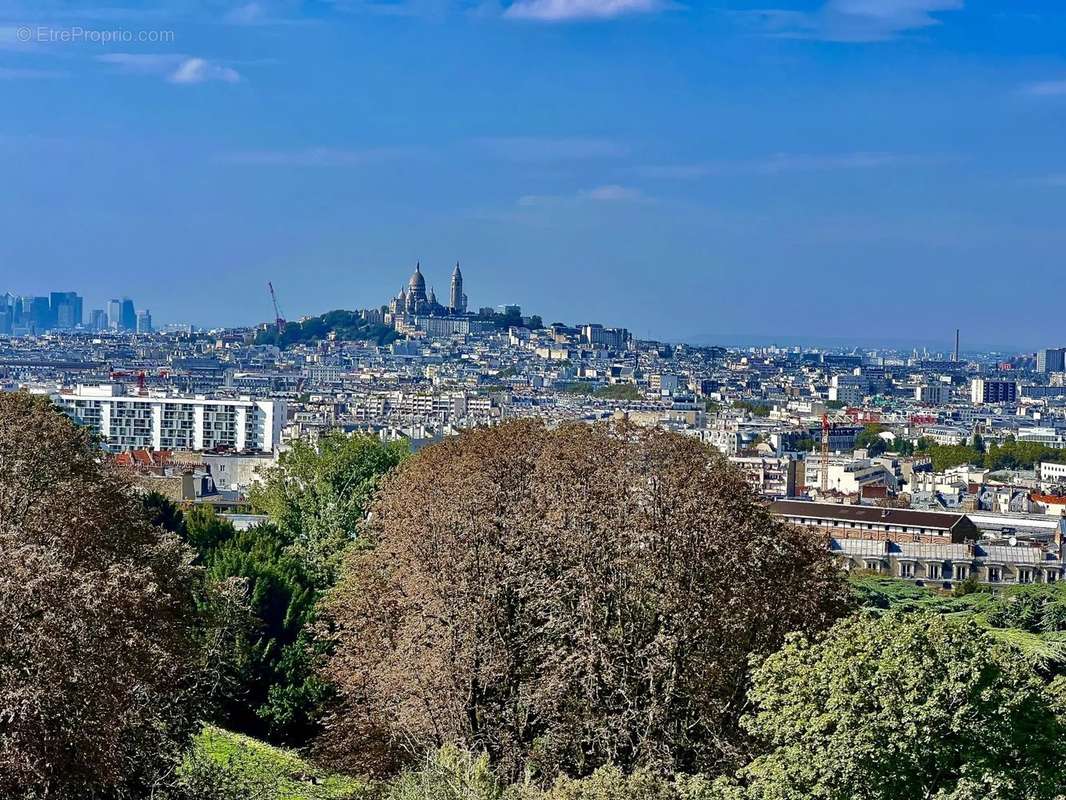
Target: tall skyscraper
{"points": [[114, 315], [129, 315], [38, 318], [98, 319], [65, 310], [144, 321]]}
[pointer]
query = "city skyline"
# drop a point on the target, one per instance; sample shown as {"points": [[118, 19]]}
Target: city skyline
{"points": [[681, 170]]}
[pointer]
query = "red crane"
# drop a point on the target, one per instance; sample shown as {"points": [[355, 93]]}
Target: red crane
{"points": [[279, 321]]}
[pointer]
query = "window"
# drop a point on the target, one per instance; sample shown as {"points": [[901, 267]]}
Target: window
{"points": [[933, 571], [906, 569], [1025, 576], [993, 574]]}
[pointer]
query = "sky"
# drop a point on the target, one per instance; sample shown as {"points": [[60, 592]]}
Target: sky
{"points": [[690, 170]]}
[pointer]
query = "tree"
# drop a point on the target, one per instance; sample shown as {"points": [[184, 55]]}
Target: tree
{"points": [[903, 707], [100, 633], [563, 599], [317, 495], [273, 690], [870, 438], [281, 599]]}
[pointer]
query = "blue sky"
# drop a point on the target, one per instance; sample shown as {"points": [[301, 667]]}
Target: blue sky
{"points": [[825, 168]]}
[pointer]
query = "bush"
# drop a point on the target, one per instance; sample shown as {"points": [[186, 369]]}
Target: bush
{"points": [[228, 766]]}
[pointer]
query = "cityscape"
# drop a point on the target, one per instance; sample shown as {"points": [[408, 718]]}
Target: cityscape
{"points": [[856, 428], [532, 400]]}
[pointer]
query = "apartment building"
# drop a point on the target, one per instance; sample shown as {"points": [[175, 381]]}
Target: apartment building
{"points": [[990, 391], [942, 565], [126, 421], [878, 524]]}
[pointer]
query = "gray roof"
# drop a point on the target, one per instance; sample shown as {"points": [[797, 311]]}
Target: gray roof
{"points": [[866, 514], [1012, 555], [938, 552]]}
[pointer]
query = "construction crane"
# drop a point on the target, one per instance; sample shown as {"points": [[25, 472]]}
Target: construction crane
{"points": [[825, 453], [279, 321]]}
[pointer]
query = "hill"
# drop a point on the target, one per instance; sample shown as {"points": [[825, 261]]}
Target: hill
{"points": [[348, 326]]}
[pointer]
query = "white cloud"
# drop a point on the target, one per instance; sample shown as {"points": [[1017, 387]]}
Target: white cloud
{"points": [[199, 70], [856, 20], [1055, 88], [247, 14], [781, 163], [142, 63], [1057, 180], [569, 10], [174, 67], [529, 148], [610, 193], [314, 157]]}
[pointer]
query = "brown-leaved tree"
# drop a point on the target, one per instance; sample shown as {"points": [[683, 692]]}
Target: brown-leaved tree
{"points": [[565, 598], [98, 637]]}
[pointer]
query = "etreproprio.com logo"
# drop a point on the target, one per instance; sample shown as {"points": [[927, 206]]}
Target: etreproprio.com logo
{"points": [[44, 34]]}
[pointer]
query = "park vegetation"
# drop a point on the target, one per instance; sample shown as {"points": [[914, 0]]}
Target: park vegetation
{"points": [[584, 612], [345, 326]]}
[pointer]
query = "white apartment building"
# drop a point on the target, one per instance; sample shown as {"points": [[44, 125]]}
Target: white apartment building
{"points": [[165, 422], [1049, 437], [1052, 473]]}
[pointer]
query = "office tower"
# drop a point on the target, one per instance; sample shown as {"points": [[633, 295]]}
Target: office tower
{"points": [[114, 314], [1051, 360], [128, 315], [65, 310], [144, 321], [98, 319], [39, 318]]}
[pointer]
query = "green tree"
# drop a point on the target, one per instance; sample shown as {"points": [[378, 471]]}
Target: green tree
{"points": [[281, 599], [318, 494], [903, 707], [870, 438]]}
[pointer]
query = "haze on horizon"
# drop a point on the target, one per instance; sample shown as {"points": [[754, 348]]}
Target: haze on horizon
{"points": [[828, 168]]}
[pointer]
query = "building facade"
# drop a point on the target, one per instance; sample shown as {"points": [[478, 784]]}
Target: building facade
{"points": [[154, 422]]}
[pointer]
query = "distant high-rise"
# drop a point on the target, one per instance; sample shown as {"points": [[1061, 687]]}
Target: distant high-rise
{"points": [[98, 319], [37, 313], [114, 314], [144, 321], [128, 316], [457, 302], [1052, 359], [65, 310]]}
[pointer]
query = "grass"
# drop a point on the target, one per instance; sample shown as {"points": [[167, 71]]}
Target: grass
{"points": [[259, 770]]}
